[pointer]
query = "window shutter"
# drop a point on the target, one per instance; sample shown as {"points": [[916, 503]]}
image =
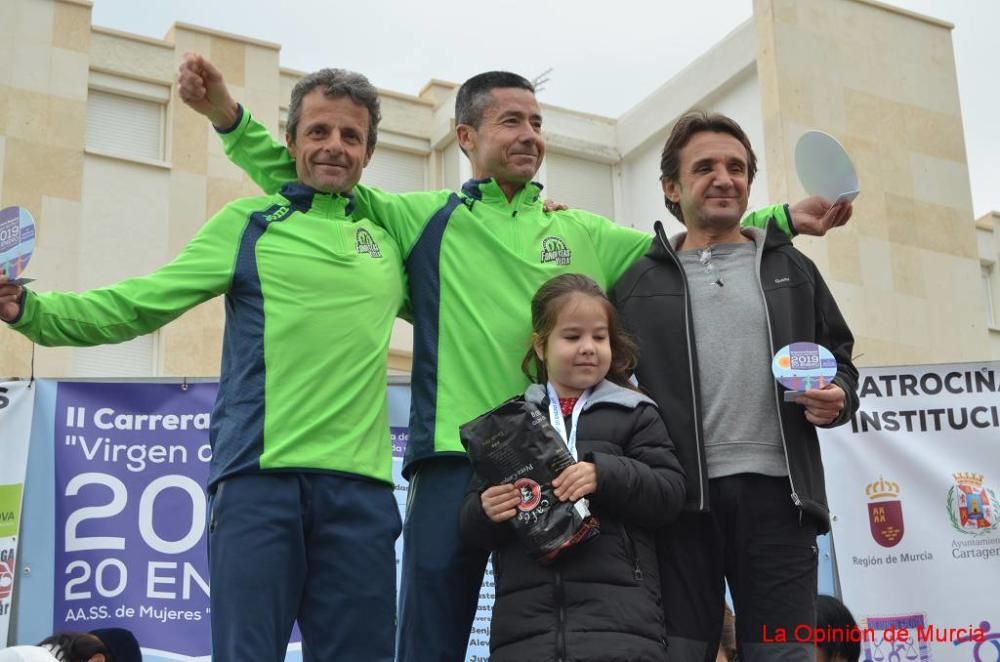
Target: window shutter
{"points": [[395, 171], [124, 125], [134, 358], [581, 184]]}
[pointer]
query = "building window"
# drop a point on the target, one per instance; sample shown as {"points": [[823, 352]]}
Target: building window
{"points": [[987, 270], [580, 183], [134, 358], [126, 118], [282, 123], [395, 170]]}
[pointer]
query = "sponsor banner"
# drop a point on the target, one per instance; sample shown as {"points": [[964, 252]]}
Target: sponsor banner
{"points": [[913, 482], [16, 404], [131, 463]]}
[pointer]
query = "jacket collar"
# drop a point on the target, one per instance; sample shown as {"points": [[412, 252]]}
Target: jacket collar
{"points": [[488, 191], [604, 393], [303, 198], [766, 239]]}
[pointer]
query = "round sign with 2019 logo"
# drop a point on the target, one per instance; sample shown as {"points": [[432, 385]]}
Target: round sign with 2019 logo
{"points": [[801, 366], [17, 240]]}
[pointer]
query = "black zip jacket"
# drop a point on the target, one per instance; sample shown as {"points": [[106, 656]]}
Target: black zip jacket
{"points": [[653, 299], [600, 601]]}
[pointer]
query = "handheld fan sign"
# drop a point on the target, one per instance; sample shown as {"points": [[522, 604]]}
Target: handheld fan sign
{"points": [[17, 241], [802, 366], [824, 168]]}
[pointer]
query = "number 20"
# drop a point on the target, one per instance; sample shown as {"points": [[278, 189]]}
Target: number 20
{"points": [[119, 497]]}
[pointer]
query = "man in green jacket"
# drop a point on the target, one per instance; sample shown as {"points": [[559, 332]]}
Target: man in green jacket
{"points": [[303, 521], [474, 259]]}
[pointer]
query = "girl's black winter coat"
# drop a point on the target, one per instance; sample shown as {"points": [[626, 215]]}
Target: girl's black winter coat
{"points": [[601, 600]]}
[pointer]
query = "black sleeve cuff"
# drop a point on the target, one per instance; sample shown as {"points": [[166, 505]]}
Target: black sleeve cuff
{"points": [[239, 118], [20, 307], [788, 210]]}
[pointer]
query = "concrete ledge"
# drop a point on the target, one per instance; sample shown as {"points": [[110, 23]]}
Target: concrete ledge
{"points": [[225, 35], [296, 74], [164, 165], [906, 12], [162, 43]]}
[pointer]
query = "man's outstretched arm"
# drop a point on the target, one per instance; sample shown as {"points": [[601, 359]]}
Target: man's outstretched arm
{"points": [[247, 143], [812, 216], [620, 246], [817, 215], [131, 307]]}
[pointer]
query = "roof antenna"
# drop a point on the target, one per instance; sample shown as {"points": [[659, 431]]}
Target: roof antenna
{"points": [[539, 81]]}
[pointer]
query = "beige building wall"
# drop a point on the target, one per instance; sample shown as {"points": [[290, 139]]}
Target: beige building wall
{"points": [[883, 82], [988, 237], [43, 95]]}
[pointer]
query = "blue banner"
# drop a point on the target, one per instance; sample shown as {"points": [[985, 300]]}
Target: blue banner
{"points": [[131, 463]]}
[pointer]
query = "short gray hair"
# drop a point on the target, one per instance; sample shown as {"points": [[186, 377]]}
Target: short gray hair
{"points": [[337, 83]]}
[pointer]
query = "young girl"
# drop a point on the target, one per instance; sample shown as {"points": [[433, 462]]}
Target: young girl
{"points": [[601, 599]]}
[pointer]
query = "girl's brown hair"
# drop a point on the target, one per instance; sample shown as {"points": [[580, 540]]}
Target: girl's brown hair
{"points": [[545, 306]]}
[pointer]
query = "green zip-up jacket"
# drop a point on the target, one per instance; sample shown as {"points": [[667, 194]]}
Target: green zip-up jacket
{"points": [[311, 291], [474, 260]]}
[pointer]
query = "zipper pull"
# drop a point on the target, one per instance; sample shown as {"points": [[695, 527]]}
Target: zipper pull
{"points": [[637, 571]]}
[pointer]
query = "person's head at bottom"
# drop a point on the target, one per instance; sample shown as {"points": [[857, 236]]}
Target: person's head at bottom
{"points": [[121, 643], [76, 647], [833, 616]]}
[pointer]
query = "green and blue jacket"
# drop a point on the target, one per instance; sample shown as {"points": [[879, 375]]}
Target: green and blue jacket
{"points": [[311, 290]]}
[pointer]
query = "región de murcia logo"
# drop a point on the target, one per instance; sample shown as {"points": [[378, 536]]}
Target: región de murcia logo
{"points": [[885, 512]]}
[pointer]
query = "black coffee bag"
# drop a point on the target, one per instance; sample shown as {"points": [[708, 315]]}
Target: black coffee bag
{"points": [[515, 443]]}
